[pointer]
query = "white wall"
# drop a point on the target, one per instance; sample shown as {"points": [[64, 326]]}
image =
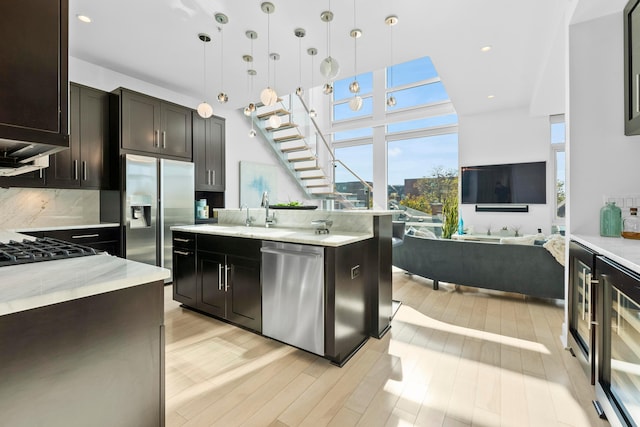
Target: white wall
{"points": [[603, 160], [239, 147], [507, 136]]}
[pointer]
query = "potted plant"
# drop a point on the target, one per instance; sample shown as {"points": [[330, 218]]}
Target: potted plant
{"points": [[450, 217]]}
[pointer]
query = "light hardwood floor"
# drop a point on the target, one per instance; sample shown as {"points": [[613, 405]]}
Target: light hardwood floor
{"points": [[452, 358]]}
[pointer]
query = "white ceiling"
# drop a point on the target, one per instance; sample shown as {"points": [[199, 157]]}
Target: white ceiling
{"points": [[156, 41]]}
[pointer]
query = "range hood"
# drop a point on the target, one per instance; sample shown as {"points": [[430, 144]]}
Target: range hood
{"points": [[18, 157]]}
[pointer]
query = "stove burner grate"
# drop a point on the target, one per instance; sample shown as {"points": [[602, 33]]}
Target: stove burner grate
{"points": [[40, 249]]}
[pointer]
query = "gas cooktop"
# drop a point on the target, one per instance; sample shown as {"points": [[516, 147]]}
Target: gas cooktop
{"points": [[41, 249]]}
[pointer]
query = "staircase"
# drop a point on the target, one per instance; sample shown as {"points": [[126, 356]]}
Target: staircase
{"points": [[305, 153]]}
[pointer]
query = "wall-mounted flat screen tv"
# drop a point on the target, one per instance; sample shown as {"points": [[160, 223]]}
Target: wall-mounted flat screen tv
{"points": [[521, 183]]}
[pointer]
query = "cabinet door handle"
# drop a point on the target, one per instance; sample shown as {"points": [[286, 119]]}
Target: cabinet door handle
{"points": [[85, 236], [84, 170], [226, 278], [156, 138], [182, 252], [213, 177], [75, 170], [219, 277], [180, 239], [164, 139]]}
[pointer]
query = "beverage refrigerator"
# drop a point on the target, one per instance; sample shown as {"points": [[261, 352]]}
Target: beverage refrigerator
{"points": [[156, 194], [618, 343]]}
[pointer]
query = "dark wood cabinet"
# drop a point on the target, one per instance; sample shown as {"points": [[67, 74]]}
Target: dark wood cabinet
{"points": [[184, 268], [222, 278], [229, 279], [154, 127], [34, 71], [632, 68], [35, 179], [209, 153], [85, 163], [99, 238]]}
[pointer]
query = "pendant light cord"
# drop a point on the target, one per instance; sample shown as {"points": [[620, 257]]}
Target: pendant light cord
{"points": [[204, 68], [221, 59], [355, 45], [268, 48]]}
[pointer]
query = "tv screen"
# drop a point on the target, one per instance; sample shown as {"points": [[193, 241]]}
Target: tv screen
{"points": [[509, 183]]}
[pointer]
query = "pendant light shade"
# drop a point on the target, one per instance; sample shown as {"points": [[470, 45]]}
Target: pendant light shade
{"points": [[252, 133], [355, 104], [354, 87], [275, 121], [268, 96], [205, 110], [329, 68]]}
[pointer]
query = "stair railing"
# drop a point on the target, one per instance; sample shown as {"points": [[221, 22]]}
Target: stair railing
{"points": [[368, 188]]}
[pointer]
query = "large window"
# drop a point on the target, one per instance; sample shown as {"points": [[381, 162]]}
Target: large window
{"points": [[416, 137], [558, 138], [422, 174], [358, 158], [413, 84]]}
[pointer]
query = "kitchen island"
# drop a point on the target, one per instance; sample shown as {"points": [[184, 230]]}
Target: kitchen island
{"points": [[82, 342], [264, 278]]}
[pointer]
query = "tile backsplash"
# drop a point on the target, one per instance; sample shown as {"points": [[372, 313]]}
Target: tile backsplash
{"points": [[22, 208]]}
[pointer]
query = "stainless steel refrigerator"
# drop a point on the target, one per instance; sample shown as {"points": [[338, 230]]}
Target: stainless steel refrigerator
{"points": [[157, 194]]}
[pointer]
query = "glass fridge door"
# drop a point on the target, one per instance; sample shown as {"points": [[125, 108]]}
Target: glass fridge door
{"points": [[582, 318], [619, 361]]}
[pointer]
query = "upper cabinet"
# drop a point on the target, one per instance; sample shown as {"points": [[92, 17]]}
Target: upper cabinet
{"points": [[209, 155], [632, 68], [154, 127], [85, 163], [34, 71]]}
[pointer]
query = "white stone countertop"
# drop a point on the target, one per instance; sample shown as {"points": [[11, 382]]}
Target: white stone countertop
{"points": [[625, 252], [289, 235], [67, 227], [28, 286]]}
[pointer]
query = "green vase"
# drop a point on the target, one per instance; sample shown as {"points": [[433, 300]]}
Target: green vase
{"points": [[610, 220]]}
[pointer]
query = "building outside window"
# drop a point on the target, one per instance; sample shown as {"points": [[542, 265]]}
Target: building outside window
{"points": [[558, 139]]}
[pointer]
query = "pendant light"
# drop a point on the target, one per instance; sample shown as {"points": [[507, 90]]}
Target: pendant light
{"points": [[355, 104], [312, 51], [251, 72], [299, 33], [329, 67], [391, 21], [204, 109], [275, 121], [221, 19], [268, 96]]}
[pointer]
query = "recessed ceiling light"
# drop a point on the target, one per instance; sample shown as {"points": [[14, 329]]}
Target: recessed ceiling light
{"points": [[485, 48], [491, 96], [83, 18]]}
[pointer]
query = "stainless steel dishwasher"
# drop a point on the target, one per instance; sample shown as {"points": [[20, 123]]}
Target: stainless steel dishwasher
{"points": [[293, 294]]}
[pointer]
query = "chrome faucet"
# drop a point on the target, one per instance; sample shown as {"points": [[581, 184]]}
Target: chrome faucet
{"points": [[249, 220], [268, 221]]}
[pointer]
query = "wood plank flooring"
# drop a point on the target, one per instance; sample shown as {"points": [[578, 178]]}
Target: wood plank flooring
{"points": [[452, 358]]}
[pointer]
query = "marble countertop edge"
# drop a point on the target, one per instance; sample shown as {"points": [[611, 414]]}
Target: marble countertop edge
{"points": [[288, 235], [625, 252]]}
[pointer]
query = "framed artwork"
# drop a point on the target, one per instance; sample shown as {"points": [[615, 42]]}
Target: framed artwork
{"points": [[255, 179]]}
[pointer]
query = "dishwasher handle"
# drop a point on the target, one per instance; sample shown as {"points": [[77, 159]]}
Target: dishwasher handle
{"points": [[288, 252]]}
